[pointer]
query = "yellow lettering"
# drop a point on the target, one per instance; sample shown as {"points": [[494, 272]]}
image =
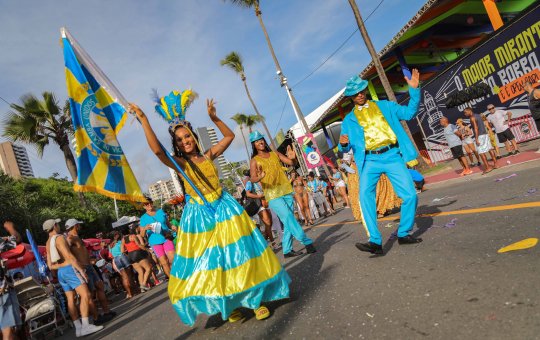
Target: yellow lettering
{"points": [[488, 67], [467, 76], [529, 38], [512, 51], [500, 55], [521, 44]]}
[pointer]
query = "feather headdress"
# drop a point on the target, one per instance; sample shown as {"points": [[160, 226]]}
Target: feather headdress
{"points": [[173, 107]]}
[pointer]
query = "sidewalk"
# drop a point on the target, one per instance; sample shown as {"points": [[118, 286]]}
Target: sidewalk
{"points": [[527, 154]]}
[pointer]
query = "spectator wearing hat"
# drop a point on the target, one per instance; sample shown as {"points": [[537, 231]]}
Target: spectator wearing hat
{"points": [[155, 225], [499, 119], [266, 168], [381, 146], [72, 277], [95, 283]]}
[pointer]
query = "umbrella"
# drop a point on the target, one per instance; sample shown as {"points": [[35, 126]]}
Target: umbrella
{"points": [[42, 265]]}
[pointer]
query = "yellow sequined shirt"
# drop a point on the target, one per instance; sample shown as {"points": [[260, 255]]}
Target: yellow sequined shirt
{"points": [[275, 183], [205, 176], [377, 131]]}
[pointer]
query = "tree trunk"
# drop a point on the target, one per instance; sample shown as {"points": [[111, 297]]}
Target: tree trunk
{"points": [[273, 144], [380, 71], [245, 143], [72, 168]]}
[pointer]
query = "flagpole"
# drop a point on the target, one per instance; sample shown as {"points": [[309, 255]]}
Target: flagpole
{"points": [[115, 209], [107, 84]]}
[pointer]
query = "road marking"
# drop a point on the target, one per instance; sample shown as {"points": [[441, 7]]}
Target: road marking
{"points": [[453, 212]]}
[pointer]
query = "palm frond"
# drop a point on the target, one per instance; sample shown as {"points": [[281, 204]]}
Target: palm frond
{"points": [[239, 118], [234, 61], [244, 3]]}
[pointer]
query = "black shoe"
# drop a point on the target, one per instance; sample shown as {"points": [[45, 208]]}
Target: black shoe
{"points": [[293, 253], [310, 249], [478, 164], [100, 320], [370, 247], [516, 152], [498, 157], [409, 240], [111, 314], [510, 154]]}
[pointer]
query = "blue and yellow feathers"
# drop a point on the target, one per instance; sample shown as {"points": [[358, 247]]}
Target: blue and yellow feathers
{"points": [[174, 106]]}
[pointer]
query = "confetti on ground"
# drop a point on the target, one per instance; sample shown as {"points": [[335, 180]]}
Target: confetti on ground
{"points": [[531, 191], [370, 315], [523, 244], [442, 198], [451, 224], [390, 225], [505, 178]]}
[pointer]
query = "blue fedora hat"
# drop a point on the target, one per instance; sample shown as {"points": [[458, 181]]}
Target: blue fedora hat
{"points": [[255, 136], [355, 85]]}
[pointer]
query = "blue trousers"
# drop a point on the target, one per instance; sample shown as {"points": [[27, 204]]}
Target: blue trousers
{"points": [[284, 208], [391, 164]]}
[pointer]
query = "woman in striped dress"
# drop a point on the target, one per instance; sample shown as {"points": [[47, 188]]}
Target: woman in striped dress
{"points": [[222, 261]]}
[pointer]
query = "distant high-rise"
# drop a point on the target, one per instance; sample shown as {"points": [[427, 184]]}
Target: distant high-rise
{"points": [[208, 138], [14, 160], [176, 181], [163, 190]]}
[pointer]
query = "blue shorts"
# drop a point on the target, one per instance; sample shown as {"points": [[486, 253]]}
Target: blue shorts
{"points": [[93, 277], [69, 278], [121, 262], [10, 315]]}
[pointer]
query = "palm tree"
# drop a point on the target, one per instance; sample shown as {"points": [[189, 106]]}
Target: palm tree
{"points": [[234, 61], [256, 7], [38, 122], [247, 121], [380, 71], [239, 119]]}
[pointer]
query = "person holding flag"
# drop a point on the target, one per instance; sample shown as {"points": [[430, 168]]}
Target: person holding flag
{"points": [[222, 261]]}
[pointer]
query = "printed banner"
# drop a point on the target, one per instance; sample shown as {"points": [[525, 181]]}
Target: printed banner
{"points": [[310, 151], [505, 61]]}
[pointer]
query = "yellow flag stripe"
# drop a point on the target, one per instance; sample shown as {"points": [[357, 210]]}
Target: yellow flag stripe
{"points": [[76, 90]]}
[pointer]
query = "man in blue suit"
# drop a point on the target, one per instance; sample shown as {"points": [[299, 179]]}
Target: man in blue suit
{"points": [[381, 146]]}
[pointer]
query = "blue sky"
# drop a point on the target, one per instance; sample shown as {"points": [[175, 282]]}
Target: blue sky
{"points": [[178, 44]]}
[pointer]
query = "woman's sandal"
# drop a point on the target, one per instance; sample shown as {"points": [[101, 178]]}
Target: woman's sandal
{"points": [[262, 313], [236, 315]]}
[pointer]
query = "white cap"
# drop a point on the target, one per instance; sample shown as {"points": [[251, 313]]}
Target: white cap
{"points": [[71, 222]]}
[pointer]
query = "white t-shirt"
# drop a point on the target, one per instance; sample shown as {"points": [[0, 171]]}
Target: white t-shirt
{"points": [[499, 120]]}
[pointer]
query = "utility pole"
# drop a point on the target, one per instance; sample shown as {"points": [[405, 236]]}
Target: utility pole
{"points": [[380, 71]]}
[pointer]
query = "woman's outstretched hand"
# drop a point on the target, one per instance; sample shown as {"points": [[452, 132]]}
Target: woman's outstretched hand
{"points": [[291, 154], [211, 109], [133, 108]]}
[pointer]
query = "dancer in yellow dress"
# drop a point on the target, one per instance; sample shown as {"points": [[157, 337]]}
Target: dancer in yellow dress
{"points": [[222, 261]]}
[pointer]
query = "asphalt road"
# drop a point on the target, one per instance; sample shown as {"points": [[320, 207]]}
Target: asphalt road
{"points": [[454, 285]]}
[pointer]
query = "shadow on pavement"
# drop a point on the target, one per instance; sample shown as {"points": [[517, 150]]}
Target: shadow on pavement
{"points": [[305, 272], [423, 223], [307, 275]]}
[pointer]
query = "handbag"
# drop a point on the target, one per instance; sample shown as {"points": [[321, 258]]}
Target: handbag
{"points": [[251, 205], [165, 232]]}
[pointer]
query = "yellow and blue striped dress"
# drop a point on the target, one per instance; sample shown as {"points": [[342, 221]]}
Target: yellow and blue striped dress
{"points": [[222, 261]]}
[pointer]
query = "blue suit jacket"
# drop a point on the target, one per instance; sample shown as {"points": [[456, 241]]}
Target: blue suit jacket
{"points": [[393, 113]]}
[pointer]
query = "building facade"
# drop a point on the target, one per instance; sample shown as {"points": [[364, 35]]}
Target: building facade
{"points": [[163, 191], [207, 139], [14, 160]]}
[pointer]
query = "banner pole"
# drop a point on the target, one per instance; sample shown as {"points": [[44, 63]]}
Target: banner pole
{"points": [[107, 84]]}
